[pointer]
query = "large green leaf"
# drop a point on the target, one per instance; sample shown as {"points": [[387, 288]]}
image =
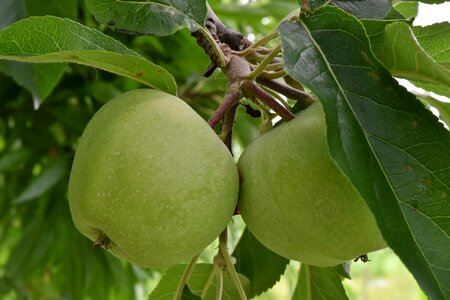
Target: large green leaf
{"points": [[316, 283], [149, 17], [364, 9], [56, 40], [262, 266], [404, 57], [394, 150], [435, 40]]}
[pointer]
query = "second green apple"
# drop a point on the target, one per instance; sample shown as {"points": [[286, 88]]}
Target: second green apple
{"points": [[296, 201]]}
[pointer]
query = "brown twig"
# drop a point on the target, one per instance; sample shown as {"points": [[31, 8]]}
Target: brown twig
{"points": [[250, 88], [289, 92], [232, 97], [233, 39], [227, 126]]}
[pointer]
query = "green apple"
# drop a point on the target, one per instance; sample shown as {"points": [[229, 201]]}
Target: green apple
{"points": [[151, 181], [296, 201]]}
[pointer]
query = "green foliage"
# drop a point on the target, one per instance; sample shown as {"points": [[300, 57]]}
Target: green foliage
{"points": [[392, 148], [365, 9], [55, 40], [319, 283], [149, 17], [404, 57], [358, 93], [262, 266], [200, 278], [408, 9], [434, 39]]}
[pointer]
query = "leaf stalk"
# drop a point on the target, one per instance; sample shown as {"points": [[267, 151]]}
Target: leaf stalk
{"points": [[185, 278], [223, 249], [267, 60]]}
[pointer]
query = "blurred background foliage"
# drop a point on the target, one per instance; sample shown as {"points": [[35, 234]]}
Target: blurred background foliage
{"points": [[42, 256]]}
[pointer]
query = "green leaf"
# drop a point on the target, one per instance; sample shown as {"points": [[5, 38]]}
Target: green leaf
{"points": [[11, 160], [262, 266], [364, 9], [316, 283], [404, 57], [408, 9], [39, 80], [168, 284], [49, 176], [435, 40], [394, 150], [375, 31], [343, 270], [55, 40], [149, 17]]}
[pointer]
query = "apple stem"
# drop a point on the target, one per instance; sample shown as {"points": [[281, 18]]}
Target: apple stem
{"points": [[227, 126], [185, 278], [219, 282], [207, 284], [250, 88], [287, 91], [223, 249], [231, 98]]}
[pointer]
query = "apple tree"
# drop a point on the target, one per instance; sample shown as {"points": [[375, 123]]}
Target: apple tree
{"points": [[333, 158]]}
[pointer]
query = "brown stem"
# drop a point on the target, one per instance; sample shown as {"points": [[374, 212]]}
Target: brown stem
{"points": [[227, 126], [225, 35], [250, 88], [287, 91], [231, 98]]}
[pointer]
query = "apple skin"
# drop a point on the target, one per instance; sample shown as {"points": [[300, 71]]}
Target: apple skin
{"points": [[152, 177], [296, 201]]}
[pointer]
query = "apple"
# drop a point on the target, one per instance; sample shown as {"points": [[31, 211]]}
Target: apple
{"points": [[151, 181], [297, 202]]}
